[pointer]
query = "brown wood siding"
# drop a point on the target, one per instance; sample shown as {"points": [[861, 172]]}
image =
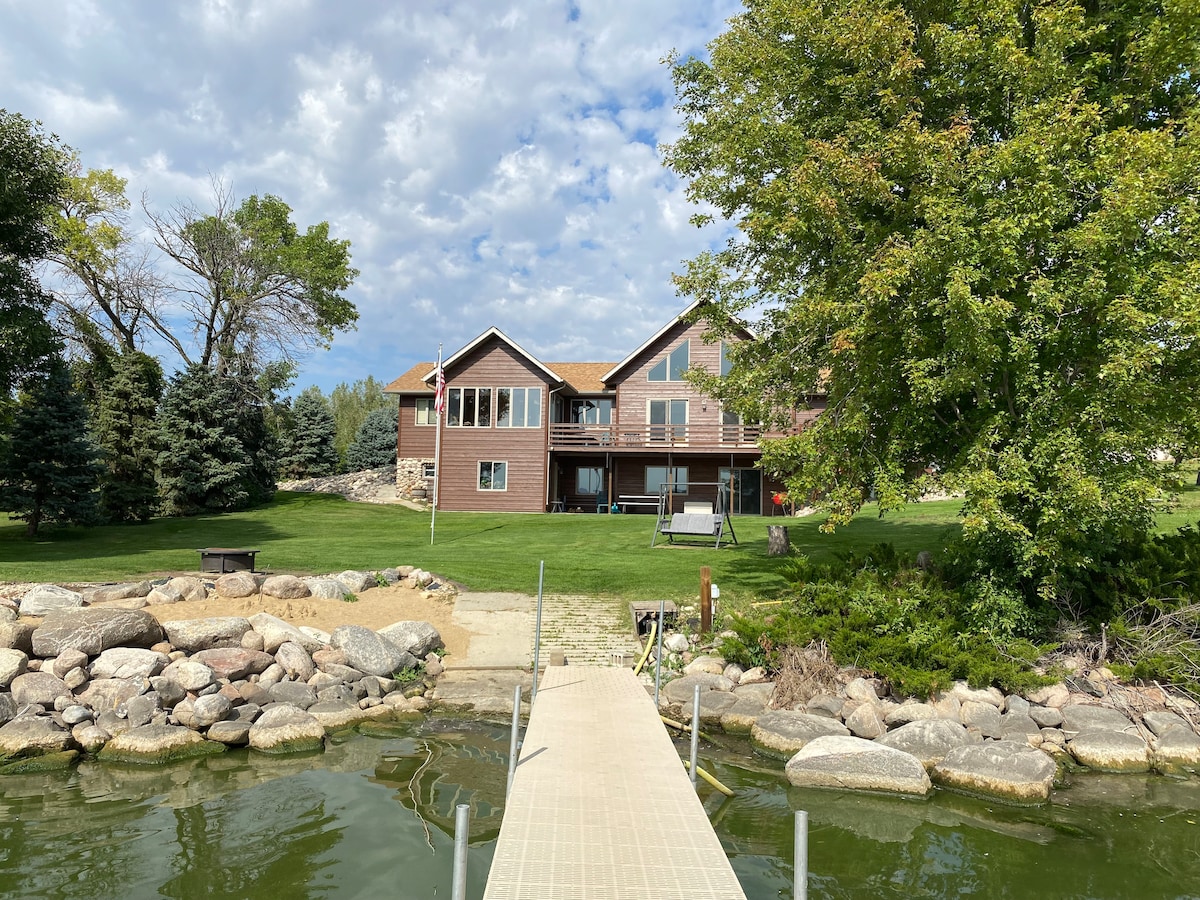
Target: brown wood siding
{"points": [[413, 441], [493, 364]]}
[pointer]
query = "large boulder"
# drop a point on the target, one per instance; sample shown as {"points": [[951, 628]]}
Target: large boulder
{"points": [[369, 652], [12, 664], [210, 709], [286, 729], [784, 732], [125, 662], [158, 744], [911, 712], [236, 585], [38, 687], [233, 732], [1176, 750], [851, 763], [295, 661], [740, 717], [206, 634], [189, 675], [110, 592], [93, 631], [929, 740], [189, 587], [43, 599], [105, 694], [1160, 722], [1079, 718], [17, 636], [234, 662], [29, 736], [357, 582], [681, 690], [417, 638], [865, 722], [998, 769], [1111, 751], [335, 715], [984, 716], [293, 693], [326, 588], [276, 632], [285, 587], [8, 707]]}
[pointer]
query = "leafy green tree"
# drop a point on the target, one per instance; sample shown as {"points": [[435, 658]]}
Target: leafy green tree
{"points": [[375, 443], [258, 289], [975, 227], [351, 404], [48, 470], [32, 176], [215, 445], [126, 431], [309, 440]]}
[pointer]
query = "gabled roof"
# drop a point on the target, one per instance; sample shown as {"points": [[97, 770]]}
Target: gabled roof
{"points": [[496, 333], [645, 346], [584, 377], [411, 381]]}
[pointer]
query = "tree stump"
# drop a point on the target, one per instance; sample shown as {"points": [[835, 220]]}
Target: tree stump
{"points": [[778, 543]]}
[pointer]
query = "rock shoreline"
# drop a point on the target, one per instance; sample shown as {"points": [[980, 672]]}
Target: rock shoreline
{"points": [[979, 741], [95, 674]]}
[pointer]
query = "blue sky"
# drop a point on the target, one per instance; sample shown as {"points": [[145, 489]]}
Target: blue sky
{"points": [[491, 163]]}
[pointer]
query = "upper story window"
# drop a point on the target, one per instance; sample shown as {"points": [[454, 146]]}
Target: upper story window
{"points": [[726, 363], [672, 366], [469, 406], [592, 412], [519, 407], [425, 413]]}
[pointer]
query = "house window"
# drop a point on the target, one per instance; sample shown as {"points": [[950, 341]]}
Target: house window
{"points": [[589, 480], [493, 476], [592, 412], [428, 470], [469, 406], [519, 407], [672, 366], [667, 420], [726, 364], [425, 413], [657, 476]]}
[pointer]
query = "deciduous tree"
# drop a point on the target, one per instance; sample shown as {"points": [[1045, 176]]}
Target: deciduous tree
{"points": [[975, 226], [351, 404]]}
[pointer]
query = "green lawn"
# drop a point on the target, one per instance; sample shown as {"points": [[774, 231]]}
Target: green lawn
{"points": [[585, 554]]}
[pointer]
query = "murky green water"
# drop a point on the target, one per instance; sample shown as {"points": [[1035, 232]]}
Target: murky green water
{"points": [[374, 817]]}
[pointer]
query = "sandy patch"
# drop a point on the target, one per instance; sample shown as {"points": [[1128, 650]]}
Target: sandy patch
{"points": [[375, 608]]}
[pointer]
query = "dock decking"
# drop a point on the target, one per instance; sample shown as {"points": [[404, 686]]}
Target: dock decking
{"points": [[601, 807]]}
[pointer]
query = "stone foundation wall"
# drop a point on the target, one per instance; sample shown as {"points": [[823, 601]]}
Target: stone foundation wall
{"points": [[410, 477]]}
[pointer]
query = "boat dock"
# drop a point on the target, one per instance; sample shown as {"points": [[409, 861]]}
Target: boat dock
{"points": [[601, 806]]}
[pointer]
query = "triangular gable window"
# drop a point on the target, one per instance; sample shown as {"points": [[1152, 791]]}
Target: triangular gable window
{"points": [[672, 366]]}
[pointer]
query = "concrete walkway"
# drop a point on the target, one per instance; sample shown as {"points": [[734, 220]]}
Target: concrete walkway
{"points": [[601, 806]]}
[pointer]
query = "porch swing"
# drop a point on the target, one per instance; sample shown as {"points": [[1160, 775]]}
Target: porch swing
{"points": [[698, 519]]}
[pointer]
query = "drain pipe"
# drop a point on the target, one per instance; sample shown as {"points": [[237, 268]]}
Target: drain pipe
{"points": [[462, 829], [537, 634], [662, 608]]}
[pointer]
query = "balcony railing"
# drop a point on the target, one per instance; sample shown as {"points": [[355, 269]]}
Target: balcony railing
{"points": [[654, 437]]}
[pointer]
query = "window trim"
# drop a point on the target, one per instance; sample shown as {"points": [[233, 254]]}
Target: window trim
{"points": [[537, 388], [459, 394], [425, 404], [479, 475]]}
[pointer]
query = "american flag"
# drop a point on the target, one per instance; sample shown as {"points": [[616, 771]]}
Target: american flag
{"points": [[439, 397]]}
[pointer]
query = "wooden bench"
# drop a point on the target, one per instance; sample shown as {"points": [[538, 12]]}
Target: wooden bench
{"points": [[624, 501], [226, 559]]}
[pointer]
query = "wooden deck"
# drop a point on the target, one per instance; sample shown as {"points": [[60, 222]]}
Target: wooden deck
{"points": [[601, 806]]}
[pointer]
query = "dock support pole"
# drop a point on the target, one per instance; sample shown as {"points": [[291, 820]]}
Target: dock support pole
{"points": [[462, 830], [537, 632], [695, 733], [706, 612], [512, 743], [800, 883], [662, 610]]}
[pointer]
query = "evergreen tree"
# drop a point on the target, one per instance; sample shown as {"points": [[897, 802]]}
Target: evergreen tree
{"points": [[126, 432], [310, 451], [49, 472], [374, 443], [216, 446], [350, 405]]}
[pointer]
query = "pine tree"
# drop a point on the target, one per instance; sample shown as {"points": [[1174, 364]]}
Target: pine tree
{"points": [[126, 432], [203, 463], [374, 443], [310, 451], [49, 469]]}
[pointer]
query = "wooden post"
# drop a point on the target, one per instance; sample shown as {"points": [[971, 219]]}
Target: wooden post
{"points": [[778, 543], [705, 599]]}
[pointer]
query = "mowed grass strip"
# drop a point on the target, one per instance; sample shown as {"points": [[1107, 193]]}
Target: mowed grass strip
{"points": [[596, 555]]}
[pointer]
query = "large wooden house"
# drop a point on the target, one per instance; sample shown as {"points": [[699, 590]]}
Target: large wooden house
{"points": [[522, 435]]}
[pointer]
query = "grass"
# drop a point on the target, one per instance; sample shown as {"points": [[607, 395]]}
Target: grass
{"points": [[584, 554]]}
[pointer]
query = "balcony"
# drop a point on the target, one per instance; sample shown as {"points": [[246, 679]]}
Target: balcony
{"points": [[565, 436]]}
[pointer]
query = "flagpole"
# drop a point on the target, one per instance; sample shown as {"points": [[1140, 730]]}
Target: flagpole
{"points": [[439, 404]]}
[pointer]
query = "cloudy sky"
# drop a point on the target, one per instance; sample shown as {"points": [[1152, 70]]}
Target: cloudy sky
{"points": [[493, 162]]}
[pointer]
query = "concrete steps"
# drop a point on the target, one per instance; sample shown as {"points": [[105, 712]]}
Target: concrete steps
{"points": [[589, 630]]}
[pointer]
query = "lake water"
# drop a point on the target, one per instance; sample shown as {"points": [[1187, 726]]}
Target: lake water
{"points": [[373, 817]]}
